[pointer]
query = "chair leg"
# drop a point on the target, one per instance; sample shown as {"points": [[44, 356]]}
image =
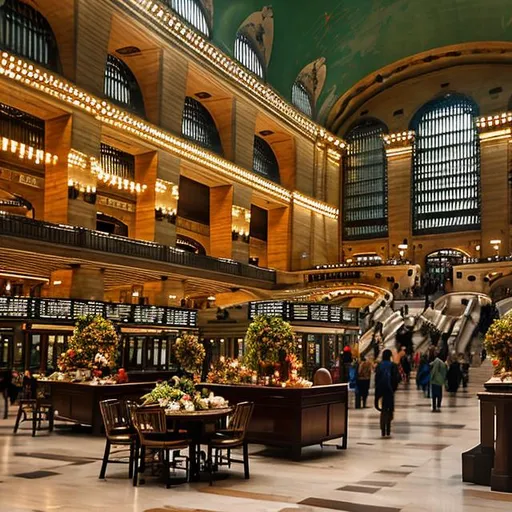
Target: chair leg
{"points": [[18, 419], [130, 462], [51, 419], [105, 460], [246, 460], [209, 462], [167, 468], [35, 419], [136, 464], [229, 458]]}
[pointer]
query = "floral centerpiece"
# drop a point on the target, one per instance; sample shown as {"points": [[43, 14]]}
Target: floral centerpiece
{"points": [[498, 343], [190, 354], [269, 340], [94, 346], [230, 371], [182, 396]]}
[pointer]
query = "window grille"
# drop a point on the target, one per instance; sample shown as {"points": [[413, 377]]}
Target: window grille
{"points": [[446, 167], [365, 202], [192, 12], [21, 127], [198, 126], [117, 163], [246, 54], [25, 31], [120, 85], [264, 160], [301, 99]]}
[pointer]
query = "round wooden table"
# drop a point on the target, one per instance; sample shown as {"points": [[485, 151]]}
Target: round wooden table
{"points": [[198, 424]]}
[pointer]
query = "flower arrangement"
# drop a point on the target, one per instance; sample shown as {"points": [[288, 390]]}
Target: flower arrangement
{"points": [[93, 346], [190, 353], [182, 396], [498, 342], [294, 367], [230, 371], [268, 341]]}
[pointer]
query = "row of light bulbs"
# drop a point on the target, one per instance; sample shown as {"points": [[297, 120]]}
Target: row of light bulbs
{"points": [[21, 71], [163, 186], [24, 151], [172, 24]]}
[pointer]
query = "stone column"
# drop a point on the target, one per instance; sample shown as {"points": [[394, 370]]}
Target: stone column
{"points": [[279, 238], [145, 173], [221, 201], [244, 131], [77, 283]]}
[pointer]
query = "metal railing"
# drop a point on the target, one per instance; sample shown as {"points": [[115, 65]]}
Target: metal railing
{"points": [[61, 234]]}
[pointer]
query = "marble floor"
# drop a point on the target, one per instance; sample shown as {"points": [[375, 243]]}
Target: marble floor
{"points": [[418, 469]]}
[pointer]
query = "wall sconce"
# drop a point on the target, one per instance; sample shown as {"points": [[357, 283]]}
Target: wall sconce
{"points": [[496, 244]]}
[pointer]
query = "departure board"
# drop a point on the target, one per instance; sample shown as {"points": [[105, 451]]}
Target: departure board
{"points": [[268, 308], [148, 315], [119, 312], [53, 309], [89, 307], [14, 307]]}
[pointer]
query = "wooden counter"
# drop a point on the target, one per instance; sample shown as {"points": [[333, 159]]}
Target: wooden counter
{"points": [[292, 418], [80, 402]]}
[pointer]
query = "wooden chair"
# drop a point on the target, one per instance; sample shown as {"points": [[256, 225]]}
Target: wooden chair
{"points": [[233, 436], [35, 405], [151, 426], [119, 431]]}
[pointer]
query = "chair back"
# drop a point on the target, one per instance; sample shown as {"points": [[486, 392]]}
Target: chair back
{"points": [[322, 377], [116, 414], [149, 420], [239, 421]]}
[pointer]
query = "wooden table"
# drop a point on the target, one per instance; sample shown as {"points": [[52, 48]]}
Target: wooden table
{"points": [[80, 402], [198, 424], [292, 418]]}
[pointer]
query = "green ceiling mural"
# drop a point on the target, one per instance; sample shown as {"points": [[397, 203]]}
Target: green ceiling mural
{"points": [[358, 37]]}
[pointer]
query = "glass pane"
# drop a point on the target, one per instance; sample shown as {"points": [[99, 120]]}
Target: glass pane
{"points": [[51, 346], [35, 351]]}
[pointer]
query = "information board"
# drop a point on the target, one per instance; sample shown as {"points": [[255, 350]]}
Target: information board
{"points": [[119, 312], [269, 308], [14, 307], [53, 309], [89, 307]]}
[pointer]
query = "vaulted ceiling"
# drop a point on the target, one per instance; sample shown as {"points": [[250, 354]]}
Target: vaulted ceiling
{"points": [[358, 37]]}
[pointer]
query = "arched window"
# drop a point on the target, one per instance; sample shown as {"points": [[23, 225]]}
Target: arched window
{"points": [[192, 12], [116, 162], [301, 99], [120, 85], [446, 166], [247, 55], [198, 125], [264, 160], [26, 32], [21, 127], [365, 191]]}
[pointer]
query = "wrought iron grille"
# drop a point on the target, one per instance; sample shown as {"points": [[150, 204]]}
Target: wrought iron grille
{"points": [[264, 160], [192, 12], [301, 99], [446, 167], [247, 55], [22, 127], [198, 126], [25, 31], [121, 86], [117, 163], [365, 194]]}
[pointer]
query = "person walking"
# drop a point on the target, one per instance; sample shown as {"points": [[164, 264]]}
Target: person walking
{"points": [[438, 373], [364, 374], [454, 376], [387, 378], [423, 376]]}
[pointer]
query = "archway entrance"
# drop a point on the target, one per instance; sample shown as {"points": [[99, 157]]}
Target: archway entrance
{"points": [[439, 264], [111, 225], [188, 244]]}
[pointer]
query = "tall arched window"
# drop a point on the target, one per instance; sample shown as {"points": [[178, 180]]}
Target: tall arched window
{"points": [[198, 125], [446, 166], [365, 192], [26, 32], [301, 99], [247, 55], [116, 162], [21, 127], [264, 160], [121, 86], [192, 12]]}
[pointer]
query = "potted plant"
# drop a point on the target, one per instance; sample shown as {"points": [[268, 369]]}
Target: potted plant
{"points": [[498, 343]]}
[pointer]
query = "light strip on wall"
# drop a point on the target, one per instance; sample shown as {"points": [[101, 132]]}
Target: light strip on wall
{"points": [[21, 71], [174, 27]]}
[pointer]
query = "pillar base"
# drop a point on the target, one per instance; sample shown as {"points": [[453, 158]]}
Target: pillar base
{"points": [[501, 483], [477, 465]]}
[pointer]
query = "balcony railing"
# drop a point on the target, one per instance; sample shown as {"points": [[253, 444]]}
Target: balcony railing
{"points": [[74, 236]]}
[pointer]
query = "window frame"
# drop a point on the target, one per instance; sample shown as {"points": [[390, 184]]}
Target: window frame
{"points": [[359, 133], [422, 177], [268, 159], [118, 79], [175, 6], [251, 51], [298, 87]]}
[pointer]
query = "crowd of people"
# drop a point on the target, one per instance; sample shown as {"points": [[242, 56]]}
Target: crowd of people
{"points": [[435, 373]]}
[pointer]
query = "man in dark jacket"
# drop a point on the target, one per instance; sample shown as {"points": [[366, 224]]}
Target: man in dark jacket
{"points": [[387, 378]]}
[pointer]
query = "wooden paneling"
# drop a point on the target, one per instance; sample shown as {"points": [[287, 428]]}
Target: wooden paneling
{"points": [[58, 142], [495, 195], [174, 85], [245, 126], [278, 244], [145, 172], [93, 22], [221, 201]]}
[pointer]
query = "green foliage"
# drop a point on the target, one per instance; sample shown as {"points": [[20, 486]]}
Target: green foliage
{"points": [[268, 341], [94, 345], [498, 342], [190, 353]]}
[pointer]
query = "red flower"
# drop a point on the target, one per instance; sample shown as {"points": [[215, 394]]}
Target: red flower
{"points": [[495, 363], [71, 353], [186, 397]]}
